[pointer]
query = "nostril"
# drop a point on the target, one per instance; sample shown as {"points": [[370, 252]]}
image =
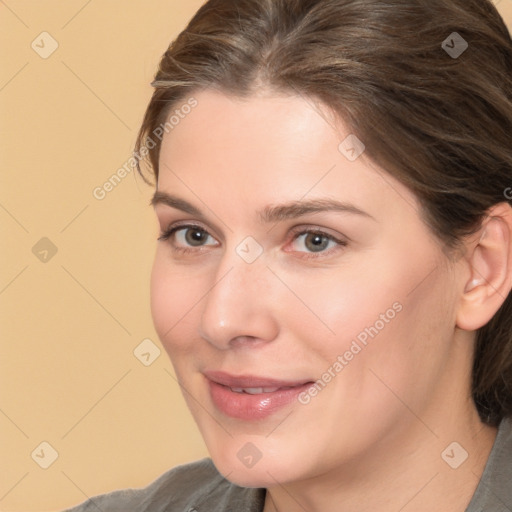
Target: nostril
{"points": [[244, 340]]}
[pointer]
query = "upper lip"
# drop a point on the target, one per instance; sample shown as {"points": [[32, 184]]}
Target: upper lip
{"points": [[250, 381]]}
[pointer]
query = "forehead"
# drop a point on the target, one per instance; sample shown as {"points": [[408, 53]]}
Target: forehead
{"points": [[273, 147], [284, 125]]}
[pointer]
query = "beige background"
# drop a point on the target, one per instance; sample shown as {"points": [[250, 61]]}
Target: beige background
{"points": [[72, 320]]}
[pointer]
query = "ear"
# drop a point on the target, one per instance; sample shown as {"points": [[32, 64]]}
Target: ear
{"points": [[489, 266]]}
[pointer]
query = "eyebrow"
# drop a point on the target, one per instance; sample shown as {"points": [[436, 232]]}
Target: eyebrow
{"points": [[270, 213]]}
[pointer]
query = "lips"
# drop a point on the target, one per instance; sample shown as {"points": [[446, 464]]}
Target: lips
{"points": [[250, 381], [249, 397]]}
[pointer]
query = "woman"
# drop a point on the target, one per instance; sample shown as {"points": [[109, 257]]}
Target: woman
{"points": [[333, 273]]}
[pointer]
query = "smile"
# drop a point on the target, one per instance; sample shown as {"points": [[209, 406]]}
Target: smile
{"points": [[251, 398]]}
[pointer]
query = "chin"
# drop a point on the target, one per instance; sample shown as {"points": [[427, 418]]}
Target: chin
{"points": [[260, 475], [244, 465]]}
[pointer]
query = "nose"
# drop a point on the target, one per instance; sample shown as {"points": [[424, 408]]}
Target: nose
{"points": [[239, 308]]}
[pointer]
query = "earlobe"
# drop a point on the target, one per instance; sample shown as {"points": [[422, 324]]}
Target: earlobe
{"points": [[489, 262]]}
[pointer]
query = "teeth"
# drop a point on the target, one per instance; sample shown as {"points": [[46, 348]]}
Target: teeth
{"points": [[254, 391]]}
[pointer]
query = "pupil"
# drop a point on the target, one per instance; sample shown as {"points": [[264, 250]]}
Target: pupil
{"points": [[195, 237], [319, 242]]}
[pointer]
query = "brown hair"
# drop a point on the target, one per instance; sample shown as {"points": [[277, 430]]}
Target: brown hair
{"points": [[439, 122]]}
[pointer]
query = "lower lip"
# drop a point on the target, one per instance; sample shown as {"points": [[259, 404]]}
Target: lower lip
{"points": [[248, 407]]}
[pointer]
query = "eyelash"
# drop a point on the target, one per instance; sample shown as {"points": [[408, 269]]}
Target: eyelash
{"points": [[166, 235]]}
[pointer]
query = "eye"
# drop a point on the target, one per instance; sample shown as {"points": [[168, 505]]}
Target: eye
{"points": [[191, 237], [185, 237], [315, 241]]}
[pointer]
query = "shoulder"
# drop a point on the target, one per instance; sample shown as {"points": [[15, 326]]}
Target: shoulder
{"points": [[195, 486], [494, 492]]}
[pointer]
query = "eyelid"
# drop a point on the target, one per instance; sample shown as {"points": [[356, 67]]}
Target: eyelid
{"points": [[308, 228]]}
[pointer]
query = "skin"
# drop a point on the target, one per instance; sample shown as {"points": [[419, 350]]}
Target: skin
{"points": [[372, 439]]}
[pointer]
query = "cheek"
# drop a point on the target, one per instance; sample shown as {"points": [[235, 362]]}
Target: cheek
{"points": [[406, 348], [387, 319], [174, 299], [330, 309]]}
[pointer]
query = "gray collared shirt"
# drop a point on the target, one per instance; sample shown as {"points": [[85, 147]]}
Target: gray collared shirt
{"points": [[199, 487]]}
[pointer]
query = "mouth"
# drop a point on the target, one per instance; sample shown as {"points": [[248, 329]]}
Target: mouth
{"points": [[249, 397], [258, 391], [247, 382]]}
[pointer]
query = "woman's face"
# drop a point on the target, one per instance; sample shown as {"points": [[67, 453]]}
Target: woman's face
{"points": [[244, 297]]}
